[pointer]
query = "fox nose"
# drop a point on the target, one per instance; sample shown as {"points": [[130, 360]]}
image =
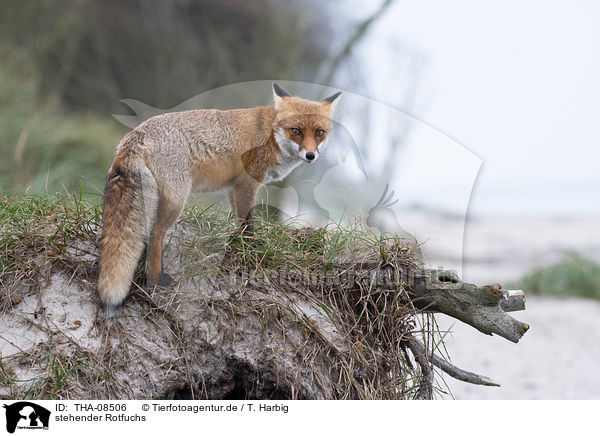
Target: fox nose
{"points": [[310, 155]]}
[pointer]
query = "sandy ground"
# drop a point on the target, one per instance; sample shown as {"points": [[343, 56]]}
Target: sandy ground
{"points": [[559, 357]]}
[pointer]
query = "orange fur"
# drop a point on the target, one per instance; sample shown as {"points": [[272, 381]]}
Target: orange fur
{"points": [[158, 163]]}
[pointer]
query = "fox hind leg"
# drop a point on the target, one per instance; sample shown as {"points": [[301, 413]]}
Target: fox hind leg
{"points": [[169, 209]]}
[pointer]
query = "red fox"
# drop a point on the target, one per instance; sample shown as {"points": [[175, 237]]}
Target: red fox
{"points": [[159, 162]]}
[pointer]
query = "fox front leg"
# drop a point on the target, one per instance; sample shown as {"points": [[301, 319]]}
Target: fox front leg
{"points": [[231, 198], [244, 195]]}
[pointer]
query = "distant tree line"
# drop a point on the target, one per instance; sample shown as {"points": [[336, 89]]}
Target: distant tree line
{"points": [[89, 54]]}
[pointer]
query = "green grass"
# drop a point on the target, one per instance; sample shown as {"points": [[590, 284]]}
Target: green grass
{"points": [[43, 148], [575, 276], [276, 244]]}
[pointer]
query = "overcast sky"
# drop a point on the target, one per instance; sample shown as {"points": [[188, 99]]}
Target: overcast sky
{"points": [[514, 82]]}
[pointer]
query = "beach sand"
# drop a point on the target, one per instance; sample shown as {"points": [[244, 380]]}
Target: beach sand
{"points": [[559, 357]]}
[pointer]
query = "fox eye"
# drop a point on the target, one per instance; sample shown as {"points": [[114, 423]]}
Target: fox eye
{"points": [[320, 132], [296, 131]]}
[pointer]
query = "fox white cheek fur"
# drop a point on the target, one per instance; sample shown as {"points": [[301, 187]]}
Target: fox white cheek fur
{"points": [[287, 145]]}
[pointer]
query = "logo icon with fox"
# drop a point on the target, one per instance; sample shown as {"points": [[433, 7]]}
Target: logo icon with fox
{"points": [[26, 415]]}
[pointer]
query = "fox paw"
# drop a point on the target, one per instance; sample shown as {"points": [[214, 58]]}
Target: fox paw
{"points": [[164, 280], [110, 310]]}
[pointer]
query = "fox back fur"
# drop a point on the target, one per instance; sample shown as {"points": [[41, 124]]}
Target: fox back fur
{"points": [[158, 163]]}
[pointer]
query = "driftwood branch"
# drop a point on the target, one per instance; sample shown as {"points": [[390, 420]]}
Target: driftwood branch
{"points": [[418, 350], [450, 369], [482, 307], [425, 360], [512, 300]]}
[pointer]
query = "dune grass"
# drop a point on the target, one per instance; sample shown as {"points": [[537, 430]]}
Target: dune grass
{"points": [[575, 276]]}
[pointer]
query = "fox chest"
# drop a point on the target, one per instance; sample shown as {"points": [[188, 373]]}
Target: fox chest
{"points": [[285, 165]]}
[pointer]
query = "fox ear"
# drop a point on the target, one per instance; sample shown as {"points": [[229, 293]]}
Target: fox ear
{"points": [[332, 100], [278, 94]]}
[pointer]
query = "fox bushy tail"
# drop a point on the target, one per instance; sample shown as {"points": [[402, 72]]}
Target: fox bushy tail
{"points": [[129, 208]]}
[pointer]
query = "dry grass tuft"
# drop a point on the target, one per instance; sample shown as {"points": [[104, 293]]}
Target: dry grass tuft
{"points": [[40, 234]]}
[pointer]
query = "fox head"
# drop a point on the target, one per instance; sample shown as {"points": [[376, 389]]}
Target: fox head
{"points": [[301, 126]]}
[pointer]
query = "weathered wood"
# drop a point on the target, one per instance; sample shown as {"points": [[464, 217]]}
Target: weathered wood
{"points": [[452, 370], [426, 386], [482, 307], [513, 300], [478, 306]]}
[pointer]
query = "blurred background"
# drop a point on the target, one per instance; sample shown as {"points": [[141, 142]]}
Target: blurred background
{"points": [[481, 117]]}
